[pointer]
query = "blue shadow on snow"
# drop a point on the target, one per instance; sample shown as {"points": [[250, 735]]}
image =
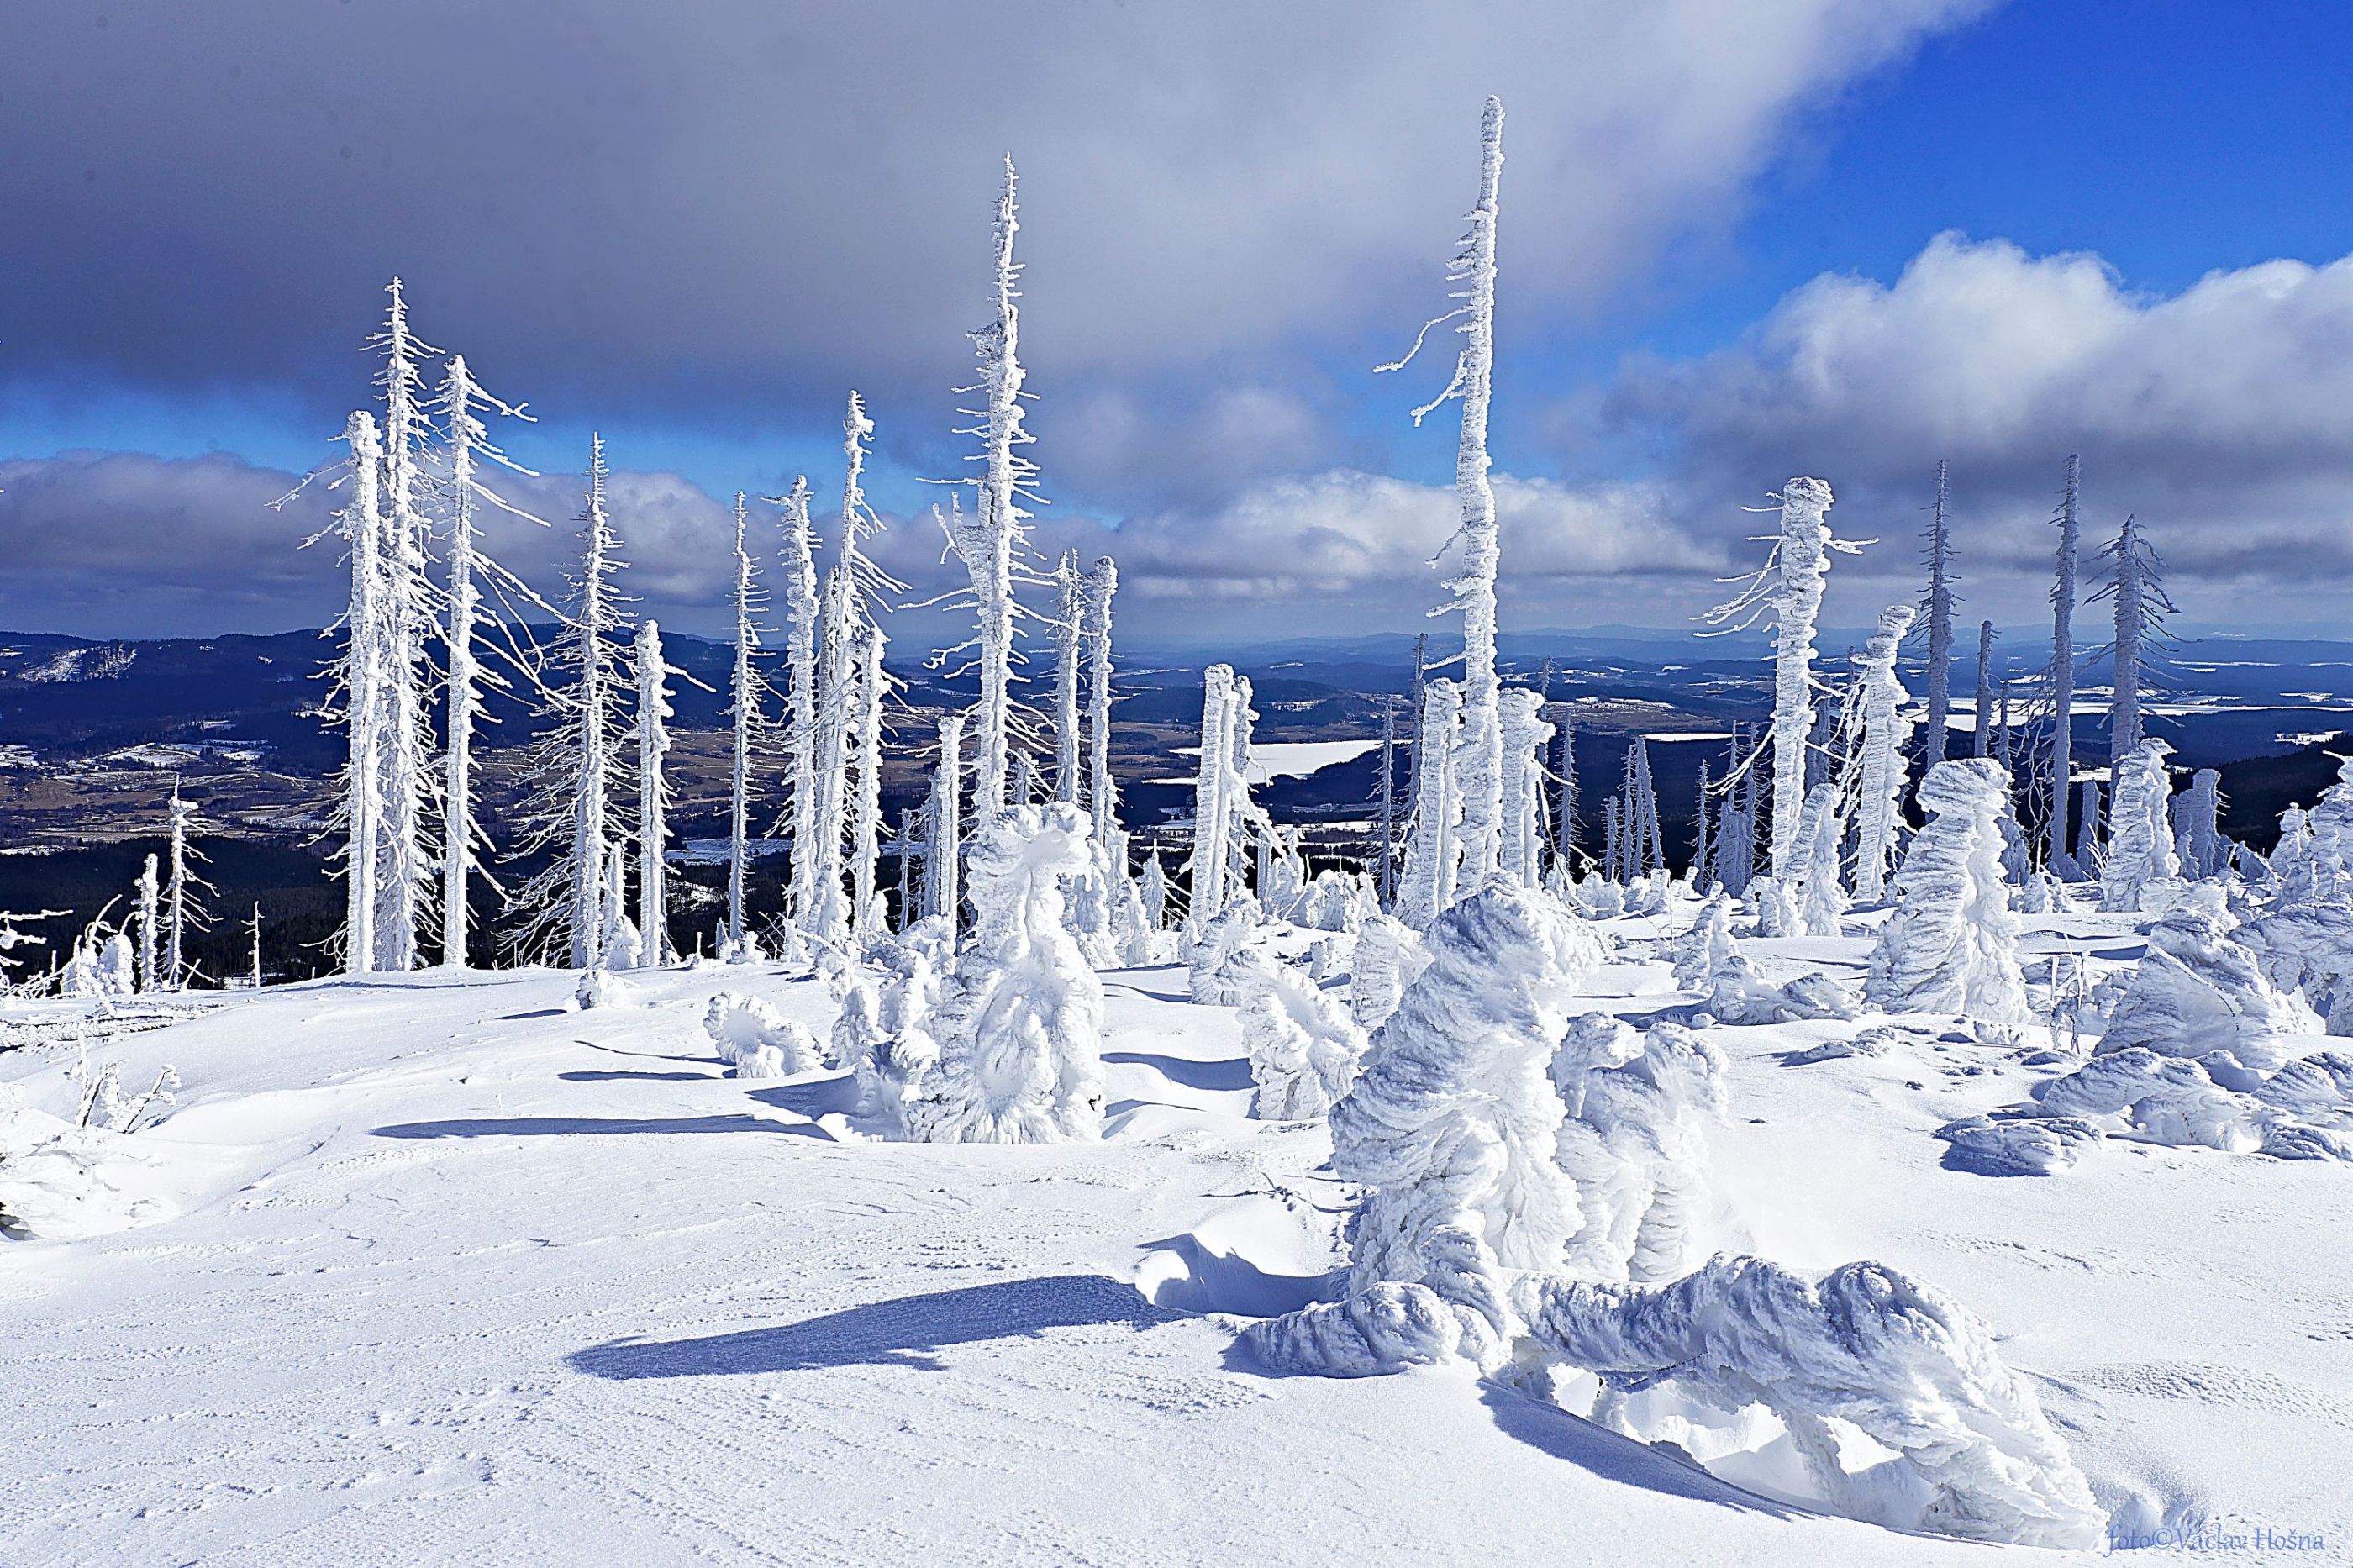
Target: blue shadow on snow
{"points": [[909, 1331]]}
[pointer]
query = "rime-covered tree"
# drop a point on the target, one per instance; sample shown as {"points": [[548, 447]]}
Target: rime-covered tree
{"points": [[360, 676], [991, 539], [1479, 763], [1427, 886], [1524, 737], [868, 590], [2062, 678], [1951, 946], [1564, 816], [466, 635], [1385, 800], [1070, 617], [182, 913], [747, 714], [1103, 790], [2140, 829], [1880, 761], [404, 865], [1789, 587], [652, 736], [1646, 847], [1940, 625], [804, 610], [946, 813], [2135, 585], [1982, 702], [1224, 815], [574, 761], [150, 890], [1702, 852]]}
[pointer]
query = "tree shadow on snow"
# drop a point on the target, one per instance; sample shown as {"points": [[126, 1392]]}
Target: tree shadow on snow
{"points": [[1612, 1456], [545, 1126], [909, 1331], [1231, 1074], [812, 1098]]}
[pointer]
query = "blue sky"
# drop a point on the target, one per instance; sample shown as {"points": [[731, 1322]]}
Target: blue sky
{"points": [[1660, 308]]}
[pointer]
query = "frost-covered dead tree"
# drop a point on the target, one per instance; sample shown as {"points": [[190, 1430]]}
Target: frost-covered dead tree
{"points": [[652, 733], [1645, 840], [1103, 790], [868, 590], [1982, 702], [1385, 820], [150, 889], [1564, 818], [1940, 627], [360, 676], [1789, 587], [1879, 811], [1070, 615], [1479, 761], [1951, 946], [469, 621], [803, 611], [990, 540], [941, 896], [2198, 826], [1702, 852], [181, 914], [1524, 737], [2087, 825], [820, 907], [2062, 676], [747, 709], [402, 870], [573, 763], [2137, 586], [1430, 858], [1212, 814]]}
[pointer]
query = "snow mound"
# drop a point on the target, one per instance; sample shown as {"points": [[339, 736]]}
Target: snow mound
{"points": [[756, 1040], [58, 1180], [2198, 991]]}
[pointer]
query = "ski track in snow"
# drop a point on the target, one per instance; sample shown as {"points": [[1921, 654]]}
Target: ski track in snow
{"points": [[464, 1276]]}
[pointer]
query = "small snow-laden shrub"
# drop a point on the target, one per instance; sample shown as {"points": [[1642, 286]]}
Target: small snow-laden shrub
{"points": [[117, 966], [1601, 898], [756, 1040], [1226, 968], [1635, 1145], [1389, 954], [602, 988], [1090, 910], [1303, 1049], [1711, 965], [1330, 903], [1019, 1022], [1647, 895], [1951, 946], [1775, 907], [1452, 1125], [1973, 1455], [2141, 854], [2199, 990]]}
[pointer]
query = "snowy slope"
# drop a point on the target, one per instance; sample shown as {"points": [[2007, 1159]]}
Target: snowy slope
{"points": [[455, 1274]]}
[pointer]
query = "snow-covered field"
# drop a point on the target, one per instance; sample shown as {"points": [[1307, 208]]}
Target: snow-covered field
{"points": [[431, 1269]]}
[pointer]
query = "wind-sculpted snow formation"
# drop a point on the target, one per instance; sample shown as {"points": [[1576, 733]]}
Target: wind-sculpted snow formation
{"points": [[2199, 990], [1951, 946], [1019, 1023], [756, 1040], [1529, 1173], [2141, 854], [1390, 954]]}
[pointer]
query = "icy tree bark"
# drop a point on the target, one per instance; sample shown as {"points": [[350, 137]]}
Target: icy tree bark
{"points": [[2062, 677], [1884, 731], [988, 542], [653, 793], [1940, 627], [1429, 860]]}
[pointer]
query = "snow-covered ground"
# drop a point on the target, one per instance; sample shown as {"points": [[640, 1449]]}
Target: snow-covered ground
{"points": [[441, 1270]]}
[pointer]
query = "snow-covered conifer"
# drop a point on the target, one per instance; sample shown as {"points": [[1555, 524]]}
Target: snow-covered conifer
{"points": [[360, 675], [1814, 867], [403, 870], [2087, 825], [1981, 701], [1103, 790], [1951, 946], [1564, 814], [182, 913], [150, 930], [804, 609], [1884, 731], [1635, 1145], [1020, 1022], [2140, 829], [747, 693], [2198, 826], [941, 896], [1645, 842], [1154, 890], [1069, 626]]}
